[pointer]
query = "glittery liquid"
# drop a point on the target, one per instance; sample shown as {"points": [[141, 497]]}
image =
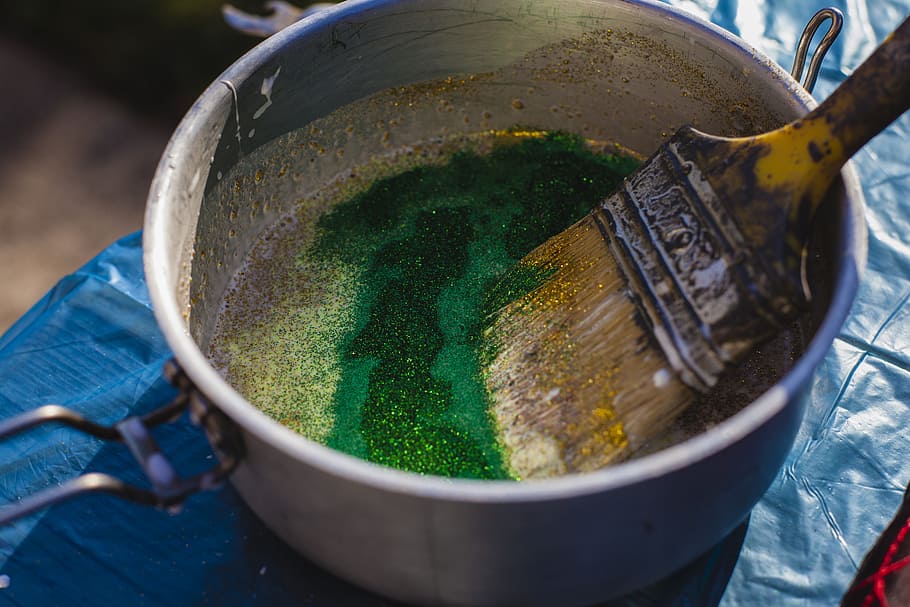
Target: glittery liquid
{"points": [[371, 343]]}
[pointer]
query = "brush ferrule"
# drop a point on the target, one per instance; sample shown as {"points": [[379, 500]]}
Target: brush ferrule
{"points": [[708, 297]]}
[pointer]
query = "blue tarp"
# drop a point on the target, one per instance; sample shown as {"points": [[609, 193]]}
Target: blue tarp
{"points": [[92, 344]]}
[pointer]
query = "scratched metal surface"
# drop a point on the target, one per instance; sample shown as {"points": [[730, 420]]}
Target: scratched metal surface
{"points": [[93, 343]]}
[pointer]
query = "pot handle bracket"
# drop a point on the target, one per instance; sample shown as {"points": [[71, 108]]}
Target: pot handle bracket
{"points": [[802, 49], [168, 489], [280, 15]]}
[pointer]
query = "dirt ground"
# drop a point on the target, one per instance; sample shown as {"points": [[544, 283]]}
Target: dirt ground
{"points": [[75, 168]]}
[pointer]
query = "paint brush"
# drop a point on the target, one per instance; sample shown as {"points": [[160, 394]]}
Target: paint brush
{"points": [[672, 280]]}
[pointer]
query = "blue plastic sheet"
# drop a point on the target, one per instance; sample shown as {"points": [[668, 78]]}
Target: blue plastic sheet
{"points": [[847, 472], [92, 344]]}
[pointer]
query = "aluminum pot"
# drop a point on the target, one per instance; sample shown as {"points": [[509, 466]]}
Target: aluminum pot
{"points": [[371, 76]]}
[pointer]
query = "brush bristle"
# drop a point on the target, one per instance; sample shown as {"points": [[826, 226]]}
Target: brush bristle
{"points": [[576, 380]]}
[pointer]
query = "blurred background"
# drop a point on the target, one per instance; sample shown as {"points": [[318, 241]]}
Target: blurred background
{"points": [[91, 92]]}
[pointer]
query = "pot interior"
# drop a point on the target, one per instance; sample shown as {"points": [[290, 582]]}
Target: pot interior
{"points": [[362, 85]]}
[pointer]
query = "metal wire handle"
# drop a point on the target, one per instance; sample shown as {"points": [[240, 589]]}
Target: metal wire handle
{"points": [[802, 50], [281, 14], [168, 488]]}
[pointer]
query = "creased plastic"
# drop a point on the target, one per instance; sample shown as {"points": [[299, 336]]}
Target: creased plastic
{"points": [[92, 343], [847, 472]]}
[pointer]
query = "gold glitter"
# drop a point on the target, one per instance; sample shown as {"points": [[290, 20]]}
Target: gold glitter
{"points": [[604, 414]]}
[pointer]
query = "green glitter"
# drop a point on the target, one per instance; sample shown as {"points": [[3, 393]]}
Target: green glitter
{"points": [[437, 239], [398, 282]]}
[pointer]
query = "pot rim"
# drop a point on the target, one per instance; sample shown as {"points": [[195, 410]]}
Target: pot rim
{"points": [[161, 285]]}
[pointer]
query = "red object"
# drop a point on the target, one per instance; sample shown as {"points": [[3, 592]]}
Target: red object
{"points": [[883, 579]]}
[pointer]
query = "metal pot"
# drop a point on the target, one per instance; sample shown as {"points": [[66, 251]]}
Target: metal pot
{"points": [[369, 76]]}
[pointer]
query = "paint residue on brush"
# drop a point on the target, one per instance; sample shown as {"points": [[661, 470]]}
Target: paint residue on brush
{"points": [[552, 393], [372, 342]]}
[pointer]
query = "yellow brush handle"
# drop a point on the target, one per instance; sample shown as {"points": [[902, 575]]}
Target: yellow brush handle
{"points": [[774, 182], [807, 155]]}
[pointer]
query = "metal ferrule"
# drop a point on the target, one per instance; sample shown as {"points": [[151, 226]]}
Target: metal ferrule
{"points": [[708, 297]]}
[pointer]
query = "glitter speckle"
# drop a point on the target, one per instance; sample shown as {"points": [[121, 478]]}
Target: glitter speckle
{"points": [[371, 340], [662, 378]]}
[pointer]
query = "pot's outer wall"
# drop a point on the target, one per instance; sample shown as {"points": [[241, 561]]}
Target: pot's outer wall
{"points": [[572, 550], [569, 541]]}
